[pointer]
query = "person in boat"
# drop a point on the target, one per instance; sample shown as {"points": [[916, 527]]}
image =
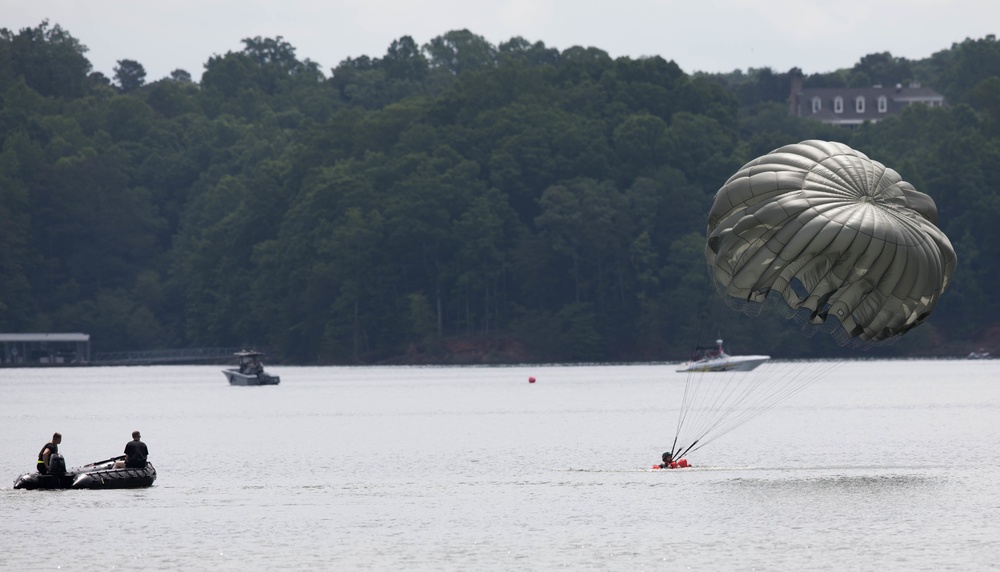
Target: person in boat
{"points": [[135, 452], [50, 448], [252, 366]]}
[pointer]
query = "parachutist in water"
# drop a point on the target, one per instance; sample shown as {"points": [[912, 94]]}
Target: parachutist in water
{"points": [[670, 463], [667, 459]]}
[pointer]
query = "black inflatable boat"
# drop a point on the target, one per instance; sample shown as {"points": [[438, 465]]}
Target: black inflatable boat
{"points": [[99, 475]]}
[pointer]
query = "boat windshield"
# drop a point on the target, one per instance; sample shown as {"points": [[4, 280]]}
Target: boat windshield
{"points": [[707, 352]]}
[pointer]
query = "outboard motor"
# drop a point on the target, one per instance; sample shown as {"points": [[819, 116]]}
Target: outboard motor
{"points": [[57, 465]]}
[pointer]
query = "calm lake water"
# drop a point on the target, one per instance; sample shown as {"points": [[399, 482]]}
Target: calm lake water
{"points": [[880, 465]]}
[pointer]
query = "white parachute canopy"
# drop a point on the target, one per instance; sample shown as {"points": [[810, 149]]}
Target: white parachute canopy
{"points": [[833, 233]]}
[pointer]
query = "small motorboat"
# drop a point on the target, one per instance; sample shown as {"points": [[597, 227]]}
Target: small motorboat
{"points": [[99, 475], [250, 371], [979, 354], [716, 359]]}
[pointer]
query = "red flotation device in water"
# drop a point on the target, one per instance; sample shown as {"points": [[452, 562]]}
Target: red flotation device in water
{"points": [[680, 464]]}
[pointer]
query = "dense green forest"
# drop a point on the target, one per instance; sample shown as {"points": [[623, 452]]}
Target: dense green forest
{"points": [[508, 196]]}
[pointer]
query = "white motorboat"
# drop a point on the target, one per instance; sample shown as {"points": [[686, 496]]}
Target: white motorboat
{"points": [[716, 359], [251, 371]]}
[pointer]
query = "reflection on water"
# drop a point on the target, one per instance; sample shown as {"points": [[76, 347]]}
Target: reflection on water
{"points": [[469, 468], [854, 488]]}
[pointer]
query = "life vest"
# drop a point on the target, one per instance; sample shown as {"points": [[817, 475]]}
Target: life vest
{"points": [[52, 447], [678, 464]]}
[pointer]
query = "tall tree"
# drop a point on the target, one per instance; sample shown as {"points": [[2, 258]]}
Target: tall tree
{"points": [[130, 75], [461, 51], [51, 61]]}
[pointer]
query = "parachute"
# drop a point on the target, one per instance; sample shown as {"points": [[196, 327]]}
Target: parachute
{"points": [[836, 235], [842, 240]]}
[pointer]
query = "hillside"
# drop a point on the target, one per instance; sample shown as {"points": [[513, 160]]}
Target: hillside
{"points": [[550, 202]]}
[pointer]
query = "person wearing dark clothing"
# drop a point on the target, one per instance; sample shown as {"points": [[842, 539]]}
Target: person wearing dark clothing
{"points": [[667, 458], [135, 453], [46, 453], [670, 463]]}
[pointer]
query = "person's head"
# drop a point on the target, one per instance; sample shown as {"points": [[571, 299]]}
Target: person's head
{"points": [[667, 457], [135, 435], [57, 438]]}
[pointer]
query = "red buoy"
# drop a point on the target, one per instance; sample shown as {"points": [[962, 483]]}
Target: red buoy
{"points": [[531, 379], [683, 463]]}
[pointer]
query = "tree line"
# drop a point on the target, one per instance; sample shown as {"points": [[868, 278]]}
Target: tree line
{"points": [[454, 190]]}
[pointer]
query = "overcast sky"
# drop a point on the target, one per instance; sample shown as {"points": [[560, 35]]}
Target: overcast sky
{"points": [[700, 35]]}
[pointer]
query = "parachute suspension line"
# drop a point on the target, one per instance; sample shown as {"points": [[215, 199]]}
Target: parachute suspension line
{"points": [[686, 401], [792, 381], [685, 398], [680, 454], [745, 398], [763, 393], [716, 403], [710, 390], [715, 396], [795, 382]]}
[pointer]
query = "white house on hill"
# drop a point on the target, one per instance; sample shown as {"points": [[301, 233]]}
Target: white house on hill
{"points": [[852, 106]]}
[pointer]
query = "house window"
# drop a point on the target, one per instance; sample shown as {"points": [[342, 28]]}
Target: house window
{"points": [[859, 104], [838, 104], [883, 104], [817, 104]]}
